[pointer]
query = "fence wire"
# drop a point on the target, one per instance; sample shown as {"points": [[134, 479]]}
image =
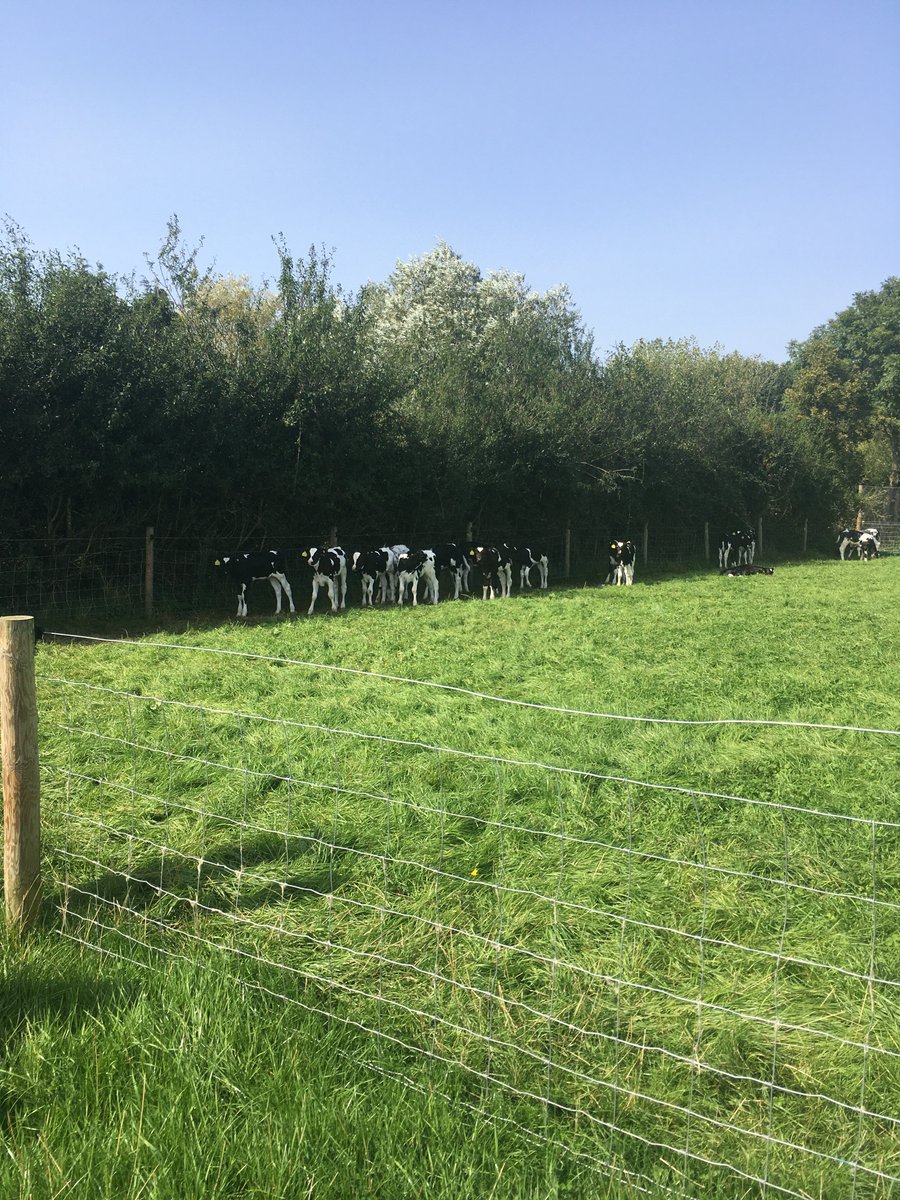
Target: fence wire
{"points": [[669, 983]]}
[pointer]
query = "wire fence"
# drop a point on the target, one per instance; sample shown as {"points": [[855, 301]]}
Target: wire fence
{"points": [[668, 983], [146, 573]]}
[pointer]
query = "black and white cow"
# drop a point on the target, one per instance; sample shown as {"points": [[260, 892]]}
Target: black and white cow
{"points": [[868, 545], [739, 545], [747, 569], [256, 564], [524, 557], [496, 570], [450, 556], [848, 540], [378, 566], [621, 562], [414, 567], [329, 568]]}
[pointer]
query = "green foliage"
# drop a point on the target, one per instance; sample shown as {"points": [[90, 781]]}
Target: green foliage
{"points": [[202, 404], [847, 377]]}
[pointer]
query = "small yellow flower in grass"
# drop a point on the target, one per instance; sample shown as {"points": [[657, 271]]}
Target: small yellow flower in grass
{"points": [[473, 873]]}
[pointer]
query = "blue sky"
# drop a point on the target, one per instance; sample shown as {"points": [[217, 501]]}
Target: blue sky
{"points": [[728, 171]]}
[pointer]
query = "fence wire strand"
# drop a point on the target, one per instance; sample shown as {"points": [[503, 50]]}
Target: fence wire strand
{"points": [[568, 964]]}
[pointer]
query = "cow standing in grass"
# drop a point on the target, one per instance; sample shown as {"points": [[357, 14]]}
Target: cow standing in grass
{"points": [[329, 568], [256, 564]]}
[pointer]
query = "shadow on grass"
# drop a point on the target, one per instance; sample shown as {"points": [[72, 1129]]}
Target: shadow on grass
{"points": [[222, 879]]}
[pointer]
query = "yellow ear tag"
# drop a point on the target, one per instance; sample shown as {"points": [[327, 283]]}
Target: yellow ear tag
{"points": [[218, 563]]}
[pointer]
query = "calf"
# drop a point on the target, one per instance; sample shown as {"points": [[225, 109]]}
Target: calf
{"points": [[329, 568], [621, 562], [449, 556], [868, 545], [496, 570], [747, 569], [376, 566], [848, 540], [740, 543], [256, 564], [524, 557], [413, 566]]}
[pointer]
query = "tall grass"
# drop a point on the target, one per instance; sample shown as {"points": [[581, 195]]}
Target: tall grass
{"points": [[326, 933]]}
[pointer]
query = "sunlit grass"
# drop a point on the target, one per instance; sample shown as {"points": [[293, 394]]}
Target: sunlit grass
{"points": [[351, 966]]}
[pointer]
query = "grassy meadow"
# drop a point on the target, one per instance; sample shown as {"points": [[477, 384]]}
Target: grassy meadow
{"points": [[319, 933]]}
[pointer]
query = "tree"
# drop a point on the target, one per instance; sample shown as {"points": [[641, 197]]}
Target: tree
{"points": [[847, 374]]}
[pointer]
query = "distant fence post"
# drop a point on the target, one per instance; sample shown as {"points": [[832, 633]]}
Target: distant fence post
{"points": [[759, 538], [332, 536], [567, 553], [148, 571], [706, 539], [21, 776], [646, 540], [805, 534], [859, 513]]}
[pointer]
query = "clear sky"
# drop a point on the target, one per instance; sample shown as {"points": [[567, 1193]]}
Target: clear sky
{"points": [[722, 169]]}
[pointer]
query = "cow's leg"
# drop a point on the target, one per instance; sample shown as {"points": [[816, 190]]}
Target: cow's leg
{"points": [[629, 574], [276, 588], [315, 593], [332, 594], [242, 601], [544, 568], [342, 580], [282, 579]]}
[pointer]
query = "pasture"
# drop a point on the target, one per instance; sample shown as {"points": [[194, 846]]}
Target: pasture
{"points": [[316, 930]]}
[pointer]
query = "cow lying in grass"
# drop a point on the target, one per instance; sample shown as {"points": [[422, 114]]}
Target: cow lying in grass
{"points": [[747, 569]]}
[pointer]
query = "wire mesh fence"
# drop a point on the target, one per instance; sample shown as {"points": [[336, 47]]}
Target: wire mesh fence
{"points": [[667, 981], [136, 575]]}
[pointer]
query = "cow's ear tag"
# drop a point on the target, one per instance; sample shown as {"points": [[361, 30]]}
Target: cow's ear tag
{"points": [[218, 562]]}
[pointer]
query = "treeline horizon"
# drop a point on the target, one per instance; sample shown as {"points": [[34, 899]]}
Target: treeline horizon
{"points": [[203, 406]]}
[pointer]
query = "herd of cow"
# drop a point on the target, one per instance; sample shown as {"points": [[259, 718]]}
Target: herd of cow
{"points": [[395, 574]]}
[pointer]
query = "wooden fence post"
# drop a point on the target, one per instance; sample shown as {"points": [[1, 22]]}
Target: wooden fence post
{"points": [[567, 553], [21, 776], [148, 571], [805, 534], [646, 540], [706, 539], [759, 538]]}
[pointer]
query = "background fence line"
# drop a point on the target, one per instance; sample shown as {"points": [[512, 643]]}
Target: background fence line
{"points": [[550, 932], [147, 571]]}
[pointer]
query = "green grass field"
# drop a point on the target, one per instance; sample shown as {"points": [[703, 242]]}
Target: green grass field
{"points": [[328, 934]]}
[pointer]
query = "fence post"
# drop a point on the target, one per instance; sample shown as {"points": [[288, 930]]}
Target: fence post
{"points": [[759, 538], [21, 776], [805, 534], [646, 540], [706, 539], [859, 511], [567, 553], [148, 571], [332, 536]]}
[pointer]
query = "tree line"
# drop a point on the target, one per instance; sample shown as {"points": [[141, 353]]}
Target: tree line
{"points": [[202, 405]]}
